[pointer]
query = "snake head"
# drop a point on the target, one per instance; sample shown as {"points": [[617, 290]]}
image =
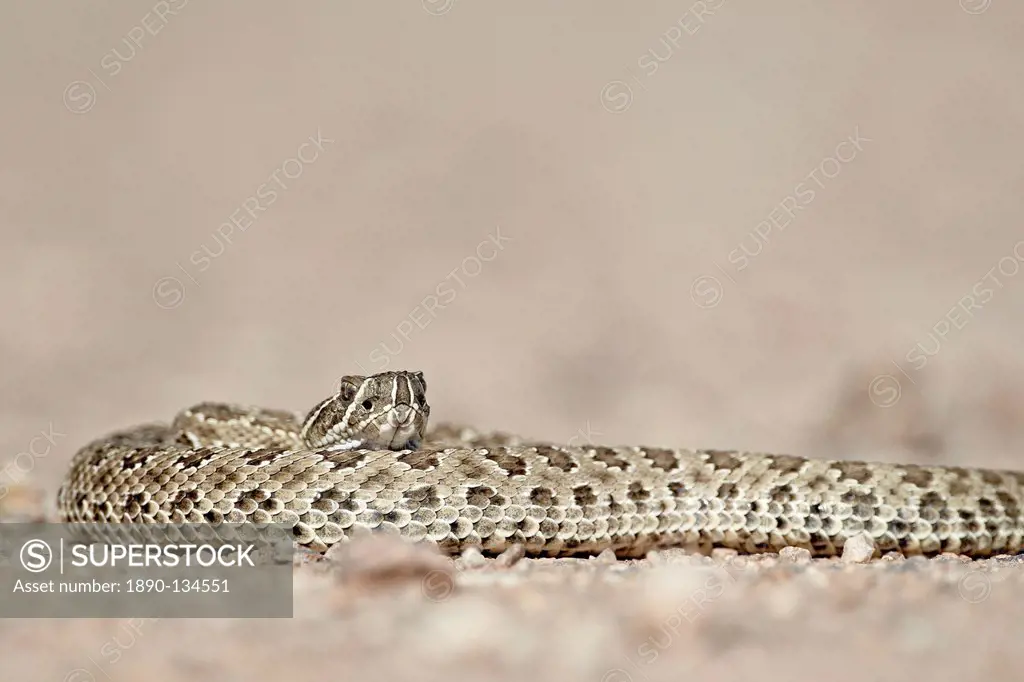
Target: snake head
{"points": [[386, 411]]}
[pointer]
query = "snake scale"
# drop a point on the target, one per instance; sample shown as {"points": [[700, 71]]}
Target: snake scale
{"points": [[364, 461]]}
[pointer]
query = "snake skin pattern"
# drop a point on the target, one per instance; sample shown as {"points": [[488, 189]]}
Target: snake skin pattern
{"points": [[363, 461]]}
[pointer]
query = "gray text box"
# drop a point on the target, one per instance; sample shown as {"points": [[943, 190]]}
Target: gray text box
{"points": [[52, 570]]}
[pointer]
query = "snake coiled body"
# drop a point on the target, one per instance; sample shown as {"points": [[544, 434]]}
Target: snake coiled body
{"points": [[354, 467]]}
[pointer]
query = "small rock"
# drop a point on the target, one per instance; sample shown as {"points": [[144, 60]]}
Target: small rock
{"points": [[859, 549], [669, 555], [607, 556], [510, 557], [797, 555], [472, 558], [951, 558], [724, 554]]}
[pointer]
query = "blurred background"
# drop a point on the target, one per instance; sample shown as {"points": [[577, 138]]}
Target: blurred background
{"points": [[792, 228]]}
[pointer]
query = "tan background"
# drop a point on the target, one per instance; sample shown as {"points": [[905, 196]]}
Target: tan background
{"points": [[621, 184], [450, 121]]}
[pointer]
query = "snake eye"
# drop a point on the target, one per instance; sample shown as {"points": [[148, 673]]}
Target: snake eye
{"points": [[367, 404]]}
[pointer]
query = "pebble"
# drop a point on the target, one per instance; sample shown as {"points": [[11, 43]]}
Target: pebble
{"points": [[859, 549], [798, 555], [724, 554], [510, 557], [669, 555], [472, 558]]}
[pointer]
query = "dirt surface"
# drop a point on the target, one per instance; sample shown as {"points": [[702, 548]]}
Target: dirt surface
{"points": [[382, 607], [706, 225]]}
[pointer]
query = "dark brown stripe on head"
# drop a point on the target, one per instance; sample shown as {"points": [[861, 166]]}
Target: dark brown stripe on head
{"points": [[403, 390]]}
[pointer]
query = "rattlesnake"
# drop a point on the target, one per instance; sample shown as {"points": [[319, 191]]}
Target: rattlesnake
{"points": [[363, 461]]}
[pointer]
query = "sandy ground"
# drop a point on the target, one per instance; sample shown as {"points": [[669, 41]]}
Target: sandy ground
{"points": [[711, 225]]}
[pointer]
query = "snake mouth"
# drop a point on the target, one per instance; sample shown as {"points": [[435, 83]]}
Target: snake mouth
{"points": [[397, 428], [402, 415]]}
